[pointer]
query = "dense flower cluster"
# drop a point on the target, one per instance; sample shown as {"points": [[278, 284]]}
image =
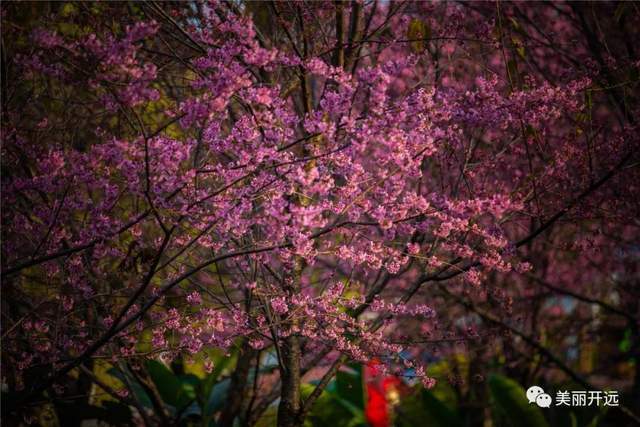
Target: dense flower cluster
{"points": [[227, 208]]}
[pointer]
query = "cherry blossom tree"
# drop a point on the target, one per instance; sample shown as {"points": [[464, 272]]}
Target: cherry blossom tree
{"points": [[327, 181]]}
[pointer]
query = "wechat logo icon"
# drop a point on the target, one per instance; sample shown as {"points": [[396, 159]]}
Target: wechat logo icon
{"points": [[537, 395]]}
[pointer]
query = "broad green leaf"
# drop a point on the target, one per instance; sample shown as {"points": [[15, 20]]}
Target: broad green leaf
{"points": [[332, 410], [350, 387], [172, 389], [220, 362], [424, 408], [510, 404], [439, 411], [139, 393], [193, 410], [217, 397]]}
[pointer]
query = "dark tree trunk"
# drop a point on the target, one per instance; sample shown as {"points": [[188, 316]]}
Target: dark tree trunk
{"points": [[238, 390], [290, 395]]}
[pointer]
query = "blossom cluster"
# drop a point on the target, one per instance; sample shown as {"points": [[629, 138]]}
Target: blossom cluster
{"points": [[223, 207]]}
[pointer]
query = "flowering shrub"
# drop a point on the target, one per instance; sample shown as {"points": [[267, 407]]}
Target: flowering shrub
{"points": [[295, 177]]}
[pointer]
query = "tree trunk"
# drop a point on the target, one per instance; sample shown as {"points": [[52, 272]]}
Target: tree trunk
{"points": [[290, 395], [238, 388]]}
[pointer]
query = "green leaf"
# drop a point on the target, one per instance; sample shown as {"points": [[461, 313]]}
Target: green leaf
{"points": [[348, 405], [190, 384], [177, 392], [439, 412], [350, 387], [511, 405], [625, 344], [193, 411], [206, 386], [574, 420], [424, 408], [595, 421], [139, 393], [217, 397], [332, 410]]}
